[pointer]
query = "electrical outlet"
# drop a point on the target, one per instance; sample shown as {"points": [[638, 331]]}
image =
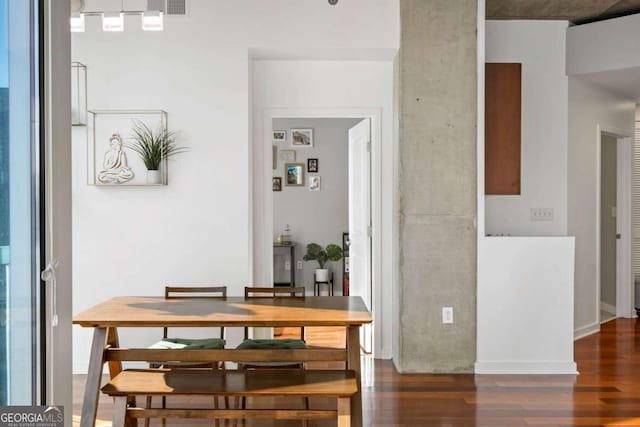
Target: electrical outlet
{"points": [[287, 265], [447, 314], [541, 214], [299, 265]]}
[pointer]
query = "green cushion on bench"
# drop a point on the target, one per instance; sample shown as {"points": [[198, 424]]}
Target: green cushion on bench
{"points": [[189, 343], [266, 344]]}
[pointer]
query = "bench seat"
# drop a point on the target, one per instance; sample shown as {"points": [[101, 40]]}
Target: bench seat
{"points": [[339, 384]]}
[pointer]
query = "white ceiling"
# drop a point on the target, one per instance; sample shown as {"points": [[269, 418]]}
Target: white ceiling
{"points": [[624, 82]]}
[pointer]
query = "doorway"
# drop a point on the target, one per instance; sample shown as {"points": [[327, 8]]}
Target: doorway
{"points": [[614, 233], [322, 195], [314, 208], [608, 227], [262, 221]]}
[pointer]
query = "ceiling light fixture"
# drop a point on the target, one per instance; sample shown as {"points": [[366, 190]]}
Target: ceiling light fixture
{"points": [[152, 20], [112, 21], [77, 22]]}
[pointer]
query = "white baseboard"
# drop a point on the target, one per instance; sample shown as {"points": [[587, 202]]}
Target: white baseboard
{"points": [[587, 330], [516, 368], [608, 308]]}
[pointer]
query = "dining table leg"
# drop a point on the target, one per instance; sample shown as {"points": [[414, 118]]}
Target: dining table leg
{"points": [[115, 367], [353, 363], [94, 376]]}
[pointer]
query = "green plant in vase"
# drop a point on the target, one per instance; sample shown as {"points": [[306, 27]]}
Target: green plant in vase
{"points": [[153, 147], [315, 252]]}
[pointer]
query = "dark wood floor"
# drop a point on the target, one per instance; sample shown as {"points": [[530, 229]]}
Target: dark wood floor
{"points": [[606, 393]]}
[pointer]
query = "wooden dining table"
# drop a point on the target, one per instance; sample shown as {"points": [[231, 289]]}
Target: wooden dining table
{"points": [[137, 312]]}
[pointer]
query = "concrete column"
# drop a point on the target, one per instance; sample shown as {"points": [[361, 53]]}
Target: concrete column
{"points": [[437, 185]]}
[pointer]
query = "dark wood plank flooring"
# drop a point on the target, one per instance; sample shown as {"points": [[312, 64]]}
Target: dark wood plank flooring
{"points": [[606, 393]]}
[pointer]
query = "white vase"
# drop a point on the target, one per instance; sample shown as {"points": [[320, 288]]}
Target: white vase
{"points": [[322, 275], [154, 177]]}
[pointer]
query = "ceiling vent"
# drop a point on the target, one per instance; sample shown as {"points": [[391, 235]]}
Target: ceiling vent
{"points": [[169, 7]]}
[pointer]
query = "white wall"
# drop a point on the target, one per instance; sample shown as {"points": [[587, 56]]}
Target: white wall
{"points": [[605, 45], [540, 47], [525, 288], [591, 109], [198, 229], [314, 216], [330, 89], [528, 280]]}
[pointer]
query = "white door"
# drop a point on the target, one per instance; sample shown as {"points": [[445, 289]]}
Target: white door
{"points": [[624, 228], [360, 220]]}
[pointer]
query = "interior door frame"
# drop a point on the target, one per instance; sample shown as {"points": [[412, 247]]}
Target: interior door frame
{"points": [[624, 268], [264, 247]]}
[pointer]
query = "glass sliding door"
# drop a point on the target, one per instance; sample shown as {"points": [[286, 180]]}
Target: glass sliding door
{"points": [[4, 196], [19, 195]]}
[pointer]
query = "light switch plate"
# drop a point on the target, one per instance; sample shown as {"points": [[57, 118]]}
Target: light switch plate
{"points": [[541, 214]]}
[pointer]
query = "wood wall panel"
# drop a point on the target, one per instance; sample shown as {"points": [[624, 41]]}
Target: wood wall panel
{"points": [[503, 124]]}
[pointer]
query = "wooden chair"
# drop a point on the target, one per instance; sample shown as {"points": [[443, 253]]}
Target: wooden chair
{"points": [[271, 293], [271, 344], [167, 342]]}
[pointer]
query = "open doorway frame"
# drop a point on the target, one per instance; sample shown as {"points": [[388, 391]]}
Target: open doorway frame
{"points": [[263, 212], [624, 271]]}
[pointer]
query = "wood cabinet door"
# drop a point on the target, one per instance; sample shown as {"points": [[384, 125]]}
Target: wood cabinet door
{"points": [[503, 123]]}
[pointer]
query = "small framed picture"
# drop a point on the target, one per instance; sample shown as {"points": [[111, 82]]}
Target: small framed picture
{"points": [[277, 183], [314, 182], [312, 165], [294, 174], [279, 136], [288, 155], [302, 137]]}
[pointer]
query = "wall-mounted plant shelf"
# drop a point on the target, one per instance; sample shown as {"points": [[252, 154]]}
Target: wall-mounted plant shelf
{"points": [[110, 160]]}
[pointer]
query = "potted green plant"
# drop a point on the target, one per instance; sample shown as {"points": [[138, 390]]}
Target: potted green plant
{"points": [[315, 252], [153, 147]]}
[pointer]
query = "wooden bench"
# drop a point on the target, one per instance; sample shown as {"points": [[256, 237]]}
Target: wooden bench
{"points": [[337, 384]]}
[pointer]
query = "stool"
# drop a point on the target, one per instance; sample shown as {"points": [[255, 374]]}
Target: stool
{"points": [[317, 284]]}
